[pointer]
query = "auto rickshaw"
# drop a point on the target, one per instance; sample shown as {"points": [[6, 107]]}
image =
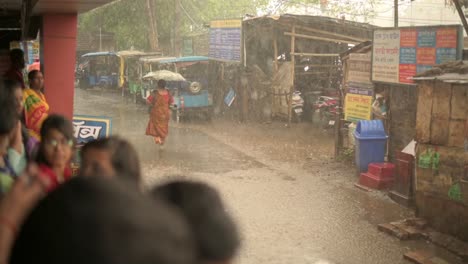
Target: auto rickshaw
{"points": [[194, 96], [99, 69], [129, 73]]}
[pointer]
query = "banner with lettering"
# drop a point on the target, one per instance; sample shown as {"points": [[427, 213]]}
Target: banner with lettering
{"points": [[399, 54], [226, 39], [359, 68], [89, 128], [358, 104]]}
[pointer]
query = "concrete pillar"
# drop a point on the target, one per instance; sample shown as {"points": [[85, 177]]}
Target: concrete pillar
{"points": [[58, 56]]}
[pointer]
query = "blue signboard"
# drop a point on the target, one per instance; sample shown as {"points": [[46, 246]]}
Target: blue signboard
{"points": [[230, 97], [407, 55], [89, 128], [225, 39]]}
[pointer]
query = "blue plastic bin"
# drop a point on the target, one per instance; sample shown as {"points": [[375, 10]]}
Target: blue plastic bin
{"points": [[370, 143]]}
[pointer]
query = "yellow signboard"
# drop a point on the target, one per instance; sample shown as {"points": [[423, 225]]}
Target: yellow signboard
{"points": [[358, 107], [232, 23]]}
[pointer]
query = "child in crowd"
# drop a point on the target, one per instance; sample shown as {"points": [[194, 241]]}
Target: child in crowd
{"points": [[56, 150], [111, 157], [8, 123]]}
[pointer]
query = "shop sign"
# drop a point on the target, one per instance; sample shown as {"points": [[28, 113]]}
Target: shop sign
{"points": [[359, 68], [399, 54], [358, 104], [89, 128], [225, 39]]}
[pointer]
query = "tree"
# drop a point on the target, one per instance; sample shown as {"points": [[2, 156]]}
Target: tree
{"points": [[130, 20]]}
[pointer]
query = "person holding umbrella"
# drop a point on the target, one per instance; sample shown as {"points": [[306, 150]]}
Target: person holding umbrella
{"points": [[158, 124]]}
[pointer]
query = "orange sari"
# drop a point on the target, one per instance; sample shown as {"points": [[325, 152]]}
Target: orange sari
{"points": [[158, 124], [36, 111]]}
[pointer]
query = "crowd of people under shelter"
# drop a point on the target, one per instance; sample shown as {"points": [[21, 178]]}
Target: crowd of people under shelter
{"points": [[104, 214]]}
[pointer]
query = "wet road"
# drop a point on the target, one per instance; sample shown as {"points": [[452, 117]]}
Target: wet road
{"points": [[292, 207]]}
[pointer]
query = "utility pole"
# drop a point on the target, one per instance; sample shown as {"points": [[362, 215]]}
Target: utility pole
{"points": [[395, 16], [153, 26], [177, 40]]}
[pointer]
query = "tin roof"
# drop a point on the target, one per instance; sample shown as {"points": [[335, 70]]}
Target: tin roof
{"points": [[150, 59], [101, 53], [451, 72], [130, 53], [447, 78], [186, 59]]}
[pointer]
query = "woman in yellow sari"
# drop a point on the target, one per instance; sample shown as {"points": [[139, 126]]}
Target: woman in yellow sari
{"points": [[36, 108]]}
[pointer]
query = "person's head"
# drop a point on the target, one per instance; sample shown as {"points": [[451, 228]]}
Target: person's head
{"points": [[57, 142], [161, 84], [17, 58], [36, 80], [111, 157], [98, 221], [15, 90], [214, 230], [8, 121]]}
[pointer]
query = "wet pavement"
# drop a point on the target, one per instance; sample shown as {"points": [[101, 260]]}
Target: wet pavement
{"points": [[292, 202]]}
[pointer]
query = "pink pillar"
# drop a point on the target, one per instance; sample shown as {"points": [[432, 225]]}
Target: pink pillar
{"points": [[58, 44]]}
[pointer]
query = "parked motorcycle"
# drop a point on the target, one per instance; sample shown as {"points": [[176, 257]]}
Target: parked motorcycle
{"points": [[297, 106], [327, 108]]}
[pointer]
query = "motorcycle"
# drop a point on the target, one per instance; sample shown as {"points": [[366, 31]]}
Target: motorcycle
{"points": [[327, 108], [297, 106]]}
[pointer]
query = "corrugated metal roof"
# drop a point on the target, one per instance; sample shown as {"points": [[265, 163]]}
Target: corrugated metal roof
{"points": [[155, 58], [102, 53], [186, 59], [447, 77], [130, 53]]}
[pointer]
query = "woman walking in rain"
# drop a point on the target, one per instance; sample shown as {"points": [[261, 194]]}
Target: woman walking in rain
{"points": [[160, 101]]}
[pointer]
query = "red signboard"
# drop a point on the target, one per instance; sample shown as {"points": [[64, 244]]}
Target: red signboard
{"points": [[447, 38], [408, 38], [407, 71]]}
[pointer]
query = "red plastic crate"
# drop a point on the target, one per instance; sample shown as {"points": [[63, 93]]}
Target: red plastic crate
{"points": [[374, 182], [382, 170]]}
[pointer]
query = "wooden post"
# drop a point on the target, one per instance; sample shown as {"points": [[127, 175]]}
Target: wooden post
{"points": [[293, 72], [275, 51], [276, 68], [338, 139], [395, 16]]}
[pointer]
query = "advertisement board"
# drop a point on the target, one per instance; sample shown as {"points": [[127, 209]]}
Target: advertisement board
{"points": [[89, 128], [399, 54], [226, 39], [358, 104], [359, 66]]}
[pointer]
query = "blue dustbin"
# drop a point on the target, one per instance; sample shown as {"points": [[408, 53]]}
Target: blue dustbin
{"points": [[370, 143]]}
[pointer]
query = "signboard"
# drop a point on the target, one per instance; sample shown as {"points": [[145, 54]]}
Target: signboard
{"points": [[89, 128], [399, 54], [226, 39], [358, 104], [359, 68], [30, 48]]}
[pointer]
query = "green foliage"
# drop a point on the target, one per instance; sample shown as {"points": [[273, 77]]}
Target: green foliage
{"points": [[129, 21]]}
